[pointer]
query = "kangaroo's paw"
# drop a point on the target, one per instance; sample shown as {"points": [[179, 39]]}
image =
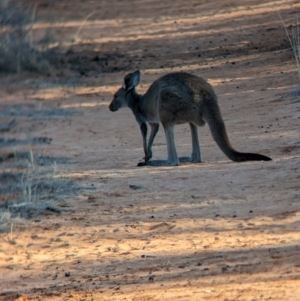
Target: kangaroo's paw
{"points": [[147, 157]]}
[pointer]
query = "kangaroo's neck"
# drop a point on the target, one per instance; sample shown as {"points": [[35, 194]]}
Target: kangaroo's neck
{"points": [[133, 99], [144, 106], [134, 103]]}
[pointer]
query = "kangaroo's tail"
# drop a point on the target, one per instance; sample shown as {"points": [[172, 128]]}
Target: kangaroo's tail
{"points": [[212, 115]]}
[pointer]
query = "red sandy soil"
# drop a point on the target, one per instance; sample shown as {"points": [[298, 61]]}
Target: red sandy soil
{"points": [[218, 230]]}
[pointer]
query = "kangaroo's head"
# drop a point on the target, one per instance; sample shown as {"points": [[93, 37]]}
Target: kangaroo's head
{"points": [[123, 96]]}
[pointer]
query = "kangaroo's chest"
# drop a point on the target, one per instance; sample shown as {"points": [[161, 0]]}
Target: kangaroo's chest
{"points": [[149, 110]]}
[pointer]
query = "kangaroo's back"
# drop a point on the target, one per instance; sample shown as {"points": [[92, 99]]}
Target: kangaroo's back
{"points": [[183, 82], [177, 93]]}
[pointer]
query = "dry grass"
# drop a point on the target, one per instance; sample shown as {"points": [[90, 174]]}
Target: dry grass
{"points": [[293, 34], [20, 50], [5, 217], [31, 190]]}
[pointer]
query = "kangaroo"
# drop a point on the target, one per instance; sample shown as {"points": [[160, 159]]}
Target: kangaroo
{"points": [[177, 98]]}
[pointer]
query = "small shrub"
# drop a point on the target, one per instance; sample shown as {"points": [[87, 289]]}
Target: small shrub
{"points": [[31, 188], [5, 217], [19, 50], [293, 34]]}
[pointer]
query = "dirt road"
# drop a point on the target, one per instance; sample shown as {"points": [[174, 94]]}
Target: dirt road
{"points": [[218, 230]]}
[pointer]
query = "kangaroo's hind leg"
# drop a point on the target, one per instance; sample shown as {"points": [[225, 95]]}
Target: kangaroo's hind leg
{"points": [[196, 152], [167, 117], [167, 113], [172, 154], [154, 130]]}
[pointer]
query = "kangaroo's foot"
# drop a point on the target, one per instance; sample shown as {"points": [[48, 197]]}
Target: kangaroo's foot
{"points": [[168, 163], [158, 163], [184, 159], [196, 158], [189, 160]]}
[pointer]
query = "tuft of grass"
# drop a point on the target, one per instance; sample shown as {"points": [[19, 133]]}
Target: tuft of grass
{"points": [[293, 34], [5, 217], [81, 26], [28, 190], [39, 183], [36, 189], [19, 49]]}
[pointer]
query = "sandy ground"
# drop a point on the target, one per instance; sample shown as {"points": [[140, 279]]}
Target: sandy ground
{"points": [[218, 230]]}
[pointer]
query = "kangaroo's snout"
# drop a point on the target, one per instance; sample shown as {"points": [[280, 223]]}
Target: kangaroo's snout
{"points": [[111, 108], [119, 100], [114, 105]]}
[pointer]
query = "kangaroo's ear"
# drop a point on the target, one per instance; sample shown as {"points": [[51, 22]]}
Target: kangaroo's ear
{"points": [[131, 80]]}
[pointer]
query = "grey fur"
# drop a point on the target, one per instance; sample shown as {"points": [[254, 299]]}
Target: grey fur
{"points": [[177, 98]]}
